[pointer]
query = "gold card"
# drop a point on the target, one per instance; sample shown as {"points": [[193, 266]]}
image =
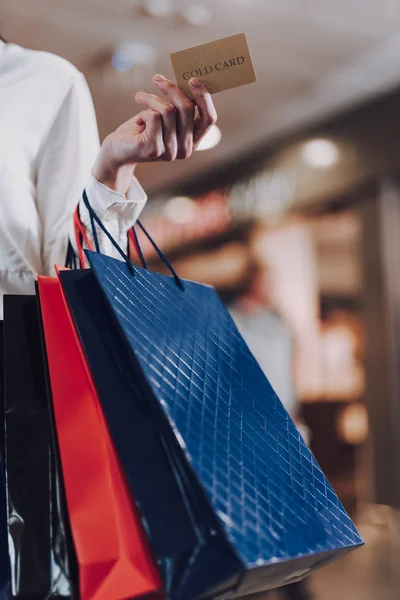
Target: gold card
{"points": [[220, 65]]}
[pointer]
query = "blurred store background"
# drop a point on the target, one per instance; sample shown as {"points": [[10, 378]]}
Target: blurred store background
{"points": [[292, 211]]}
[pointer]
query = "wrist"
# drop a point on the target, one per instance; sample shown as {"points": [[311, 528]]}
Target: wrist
{"points": [[109, 172]]}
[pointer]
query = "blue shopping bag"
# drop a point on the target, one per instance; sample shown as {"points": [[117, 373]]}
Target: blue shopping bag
{"points": [[184, 534], [272, 503]]}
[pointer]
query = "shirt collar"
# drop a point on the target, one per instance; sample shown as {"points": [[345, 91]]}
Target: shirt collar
{"points": [[2, 46]]}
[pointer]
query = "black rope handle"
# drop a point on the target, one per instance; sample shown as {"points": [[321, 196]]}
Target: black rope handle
{"points": [[160, 254], [138, 248], [70, 259], [94, 219]]}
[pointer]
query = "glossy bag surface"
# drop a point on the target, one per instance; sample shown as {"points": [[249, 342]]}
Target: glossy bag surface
{"points": [[273, 502], [191, 550], [37, 524], [4, 557], [113, 555]]}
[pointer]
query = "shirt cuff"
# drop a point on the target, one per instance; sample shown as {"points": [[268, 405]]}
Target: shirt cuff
{"points": [[117, 212], [109, 204]]}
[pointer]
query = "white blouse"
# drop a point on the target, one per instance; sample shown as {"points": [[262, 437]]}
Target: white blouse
{"points": [[48, 144]]}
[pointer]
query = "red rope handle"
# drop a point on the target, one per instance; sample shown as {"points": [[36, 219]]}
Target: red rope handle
{"points": [[133, 239], [79, 228]]}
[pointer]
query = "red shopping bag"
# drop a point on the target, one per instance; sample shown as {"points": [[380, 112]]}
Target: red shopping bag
{"points": [[114, 558]]}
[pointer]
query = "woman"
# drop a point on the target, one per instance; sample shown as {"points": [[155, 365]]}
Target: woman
{"points": [[48, 147]]}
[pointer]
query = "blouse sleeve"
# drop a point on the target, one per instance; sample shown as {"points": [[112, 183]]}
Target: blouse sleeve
{"points": [[64, 169]]}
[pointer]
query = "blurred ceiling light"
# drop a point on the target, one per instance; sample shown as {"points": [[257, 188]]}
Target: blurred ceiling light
{"points": [[128, 55], [320, 153], [211, 139], [180, 210], [160, 9], [352, 424], [197, 15]]}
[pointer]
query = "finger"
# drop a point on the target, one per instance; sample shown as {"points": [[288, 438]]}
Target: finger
{"points": [[184, 114], [168, 115], [152, 140], [207, 116]]}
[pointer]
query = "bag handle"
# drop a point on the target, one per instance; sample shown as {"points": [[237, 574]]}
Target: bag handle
{"points": [[159, 252], [135, 240], [70, 258], [80, 237], [94, 219]]}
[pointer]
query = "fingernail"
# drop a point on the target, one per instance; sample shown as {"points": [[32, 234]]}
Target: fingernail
{"points": [[196, 83], [159, 77]]}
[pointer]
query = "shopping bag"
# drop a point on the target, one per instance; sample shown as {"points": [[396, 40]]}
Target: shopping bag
{"points": [[273, 503], [4, 558], [39, 549], [114, 559], [183, 531]]}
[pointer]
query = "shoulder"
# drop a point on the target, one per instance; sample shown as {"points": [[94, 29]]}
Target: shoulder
{"points": [[43, 73], [40, 62], [42, 91], [51, 85]]}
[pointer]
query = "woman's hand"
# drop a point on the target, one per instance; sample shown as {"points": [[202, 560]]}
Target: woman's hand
{"points": [[166, 130]]}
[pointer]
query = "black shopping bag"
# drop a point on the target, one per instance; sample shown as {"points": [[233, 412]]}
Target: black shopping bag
{"points": [[4, 559], [39, 544]]}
